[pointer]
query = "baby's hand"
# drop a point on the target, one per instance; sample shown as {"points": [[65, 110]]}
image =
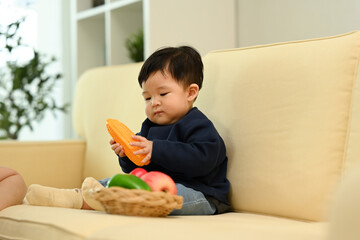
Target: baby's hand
{"points": [[145, 145], [117, 148]]}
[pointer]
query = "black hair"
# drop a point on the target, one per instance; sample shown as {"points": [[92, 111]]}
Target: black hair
{"points": [[183, 63]]}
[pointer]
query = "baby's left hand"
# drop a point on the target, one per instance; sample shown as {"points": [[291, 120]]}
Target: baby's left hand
{"points": [[145, 145]]}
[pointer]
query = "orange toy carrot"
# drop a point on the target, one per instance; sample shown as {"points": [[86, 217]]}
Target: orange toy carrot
{"points": [[122, 135]]}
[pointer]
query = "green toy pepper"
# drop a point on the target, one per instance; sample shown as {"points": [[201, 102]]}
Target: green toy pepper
{"points": [[128, 181]]}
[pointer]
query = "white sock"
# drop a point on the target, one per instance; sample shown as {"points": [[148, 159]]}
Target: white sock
{"points": [[53, 197], [89, 186]]}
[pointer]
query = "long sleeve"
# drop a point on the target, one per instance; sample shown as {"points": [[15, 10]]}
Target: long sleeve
{"points": [[126, 164], [191, 151], [195, 153]]}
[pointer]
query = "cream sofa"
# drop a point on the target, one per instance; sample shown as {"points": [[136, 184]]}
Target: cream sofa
{"points": [[289, 114]]}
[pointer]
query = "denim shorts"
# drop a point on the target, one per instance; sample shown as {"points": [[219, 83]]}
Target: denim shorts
{"points": [[195, 203]]}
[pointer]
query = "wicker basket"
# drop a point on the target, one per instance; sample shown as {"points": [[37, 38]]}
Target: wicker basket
{"points": [[118, 200]]}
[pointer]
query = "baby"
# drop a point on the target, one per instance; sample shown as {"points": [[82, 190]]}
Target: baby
{"points": [[176, 137]]}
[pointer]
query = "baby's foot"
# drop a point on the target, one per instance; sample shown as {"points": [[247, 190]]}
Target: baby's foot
{"points": [[89, 186], [53, 197]]}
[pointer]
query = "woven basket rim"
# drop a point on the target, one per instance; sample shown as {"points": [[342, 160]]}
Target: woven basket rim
{"points": [[137, 202]]}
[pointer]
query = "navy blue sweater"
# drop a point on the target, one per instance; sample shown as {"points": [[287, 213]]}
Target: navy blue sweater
{"points": [[190, 151]]}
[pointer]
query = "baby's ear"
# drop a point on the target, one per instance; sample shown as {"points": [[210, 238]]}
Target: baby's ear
{"points": [[193, 91]]}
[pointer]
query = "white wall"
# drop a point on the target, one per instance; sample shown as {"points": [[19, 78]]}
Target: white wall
{"points": [[204, 24], [265, 21]]}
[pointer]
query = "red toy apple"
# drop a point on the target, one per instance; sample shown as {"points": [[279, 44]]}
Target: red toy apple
{"points": [[159, 181], [138, 172]]}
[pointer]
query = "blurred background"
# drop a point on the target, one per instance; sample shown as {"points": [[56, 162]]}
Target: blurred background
{"points": [[82, 34]]}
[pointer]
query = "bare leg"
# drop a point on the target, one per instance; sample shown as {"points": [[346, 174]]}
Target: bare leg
{"points": [[85, 206], [12, 188]]}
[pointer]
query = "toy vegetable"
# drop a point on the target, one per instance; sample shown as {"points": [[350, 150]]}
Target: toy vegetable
{"points": [[123, 135], [128, 181]]}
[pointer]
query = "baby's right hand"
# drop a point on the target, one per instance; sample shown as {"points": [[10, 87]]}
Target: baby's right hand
{"points": [[117, 148]]}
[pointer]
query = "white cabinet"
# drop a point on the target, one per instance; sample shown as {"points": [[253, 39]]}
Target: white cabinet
{"points": [[99, 33]]}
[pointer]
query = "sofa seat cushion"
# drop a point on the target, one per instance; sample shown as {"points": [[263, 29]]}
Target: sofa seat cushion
{"points": [[32, 222]]}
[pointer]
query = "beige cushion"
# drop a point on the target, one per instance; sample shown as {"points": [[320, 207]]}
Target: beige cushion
{"points": [[102, 93], [290, 117], [56, 223], [50, 163]]}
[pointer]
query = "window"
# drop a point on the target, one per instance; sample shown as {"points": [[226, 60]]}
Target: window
{"points": [[11, 11], [41, 30]]}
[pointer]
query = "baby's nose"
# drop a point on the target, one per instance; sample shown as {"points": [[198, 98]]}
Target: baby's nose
{"points": [[155, 102]]}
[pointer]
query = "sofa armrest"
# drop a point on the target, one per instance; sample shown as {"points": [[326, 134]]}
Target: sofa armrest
{"points": [[50, 163]]}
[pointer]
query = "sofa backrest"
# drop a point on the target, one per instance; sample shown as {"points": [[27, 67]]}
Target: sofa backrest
{"points": [[102, 93], [290, 117], [289, 114]]}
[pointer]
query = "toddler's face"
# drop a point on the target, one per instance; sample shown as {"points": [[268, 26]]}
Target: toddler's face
{"points": [[166, 101]]}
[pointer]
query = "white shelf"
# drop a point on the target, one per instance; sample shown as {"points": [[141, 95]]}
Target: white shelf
{"points": [[122, 3], [91, 12], [99, 33], [83, 5], [91, 43]]}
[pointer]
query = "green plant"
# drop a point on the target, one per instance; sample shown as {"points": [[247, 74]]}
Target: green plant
{"points": [[25, 88], [135, 45]]}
